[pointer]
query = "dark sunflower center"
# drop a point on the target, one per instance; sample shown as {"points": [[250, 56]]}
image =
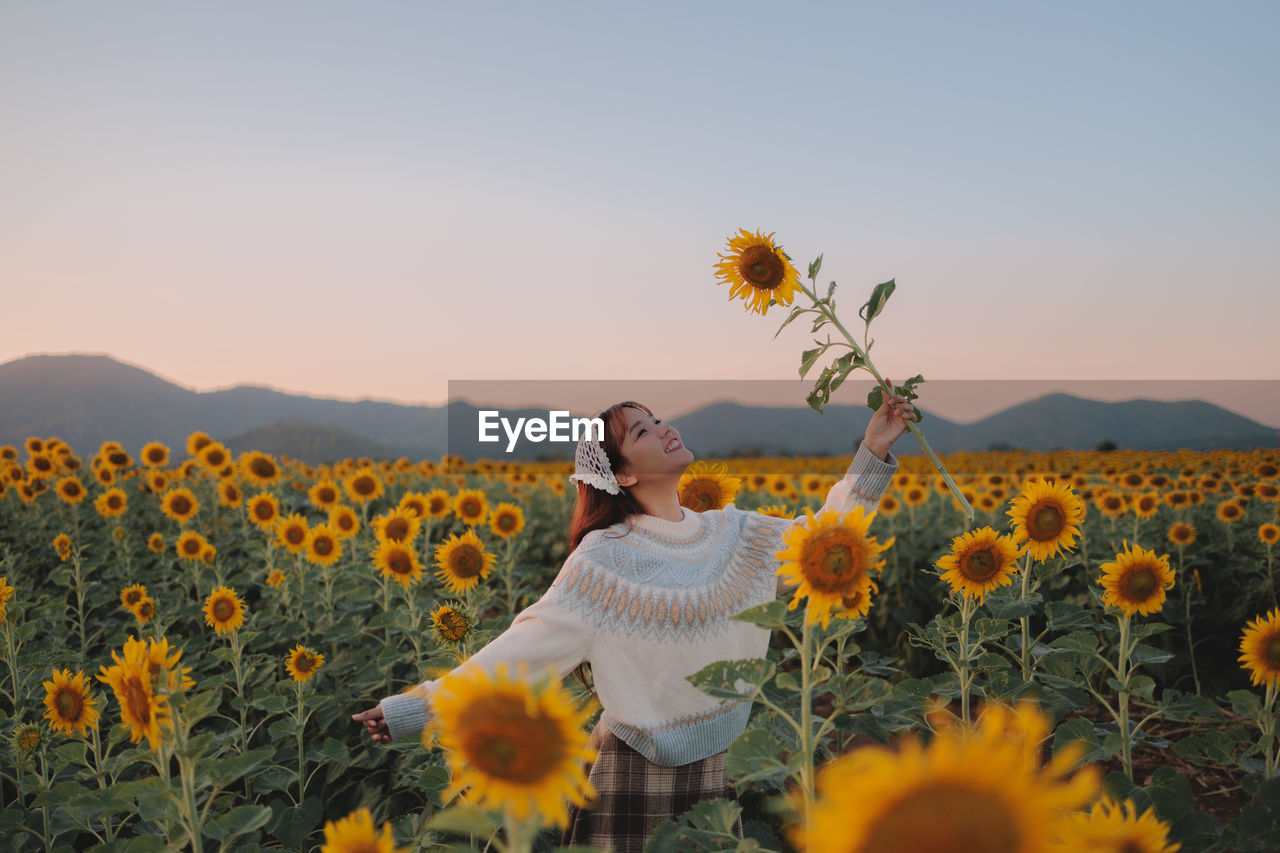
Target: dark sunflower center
{"points": [[400, 563], [397, 529], [118, 459], [70, 704], [946, 818], [294, 534], [702, 496], [326, 495], [133, 598], [504, 742], [215, 458], [1272, 650], [263, 511], [304, 663], [322, 545], [264, 468], [466, 561], [437, 506], [364, 486], [981, 565], [155, 457], [452, 625], [506, 523], [1140, 585], [146, 610], [1046, 521], [72, 488], [136, 699], [470, 508], [191, 546], [223, 610], [761, 268], [346, 522], [180, 505]]}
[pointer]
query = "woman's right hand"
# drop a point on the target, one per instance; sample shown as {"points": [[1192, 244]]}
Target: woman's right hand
{"points": [[375, 723]]}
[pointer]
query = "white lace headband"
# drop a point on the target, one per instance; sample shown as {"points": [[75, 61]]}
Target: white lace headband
{"points": [[591, 466]]}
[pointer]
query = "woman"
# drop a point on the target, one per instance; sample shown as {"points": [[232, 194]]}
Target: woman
{"points": [[646, 598]]}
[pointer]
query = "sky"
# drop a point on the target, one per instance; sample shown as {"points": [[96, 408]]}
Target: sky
{"points": [[376, 199]]}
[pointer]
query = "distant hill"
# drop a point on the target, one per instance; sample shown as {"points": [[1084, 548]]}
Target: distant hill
{"points": [[86, 400]]}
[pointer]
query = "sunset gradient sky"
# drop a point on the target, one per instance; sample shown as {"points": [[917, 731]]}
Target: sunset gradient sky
{"points": [[371, 199]]}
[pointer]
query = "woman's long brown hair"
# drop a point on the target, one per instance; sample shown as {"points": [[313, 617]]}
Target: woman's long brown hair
{"points": [[597, 509]]}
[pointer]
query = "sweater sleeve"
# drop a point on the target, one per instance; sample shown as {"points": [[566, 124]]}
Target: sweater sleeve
{"points": [[545, 634]]}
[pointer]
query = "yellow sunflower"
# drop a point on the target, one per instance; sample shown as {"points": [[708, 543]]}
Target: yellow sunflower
{"points": [[450, 623], [705, 486], [1136, 581], [828, 557], [6, 592], [145, 712], [915, 495], [69, 706], [214, 457], [398, 562], [263, 510], [154, 454], [1145, 504], [968, 790], [62, 544], [223, 610], [344, 521], [979, 562], [302, 663], [132, 596], [157, 481], [355, 833], [229, 494], [512, 743], [471, 506], [416, 503], [145, 610], [1268, 534], [1112, 827], [111, 503], [396, 525], [324, 495], [1260, 648], [1047, 515], [506, 520], [180, 504], [438, 503], [275, 577], [71, 490], [463, 562], [27, 737], [1111, 504], [1182, 534], [1230, 511], [363, 486], [776, 511], [291, 533], [757, 270], [189, 545], [259, 469], [855, 604], [324, 547]]}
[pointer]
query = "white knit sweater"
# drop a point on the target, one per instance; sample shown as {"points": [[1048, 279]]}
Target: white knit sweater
{"points": [[649, 606]]}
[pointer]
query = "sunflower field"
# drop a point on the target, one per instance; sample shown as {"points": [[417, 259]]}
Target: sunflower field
{"points": [[1091, 663]]}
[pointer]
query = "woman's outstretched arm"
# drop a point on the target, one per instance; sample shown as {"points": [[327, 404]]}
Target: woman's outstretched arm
{"points": [[545, 634]]}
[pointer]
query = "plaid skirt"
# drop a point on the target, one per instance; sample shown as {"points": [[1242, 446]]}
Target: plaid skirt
{"points": [[634, 795]]}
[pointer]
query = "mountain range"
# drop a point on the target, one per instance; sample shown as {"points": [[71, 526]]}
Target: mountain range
{"points": [[88, 399]]}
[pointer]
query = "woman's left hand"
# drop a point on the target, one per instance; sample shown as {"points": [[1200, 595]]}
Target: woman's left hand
{"points": [[889, 422]]}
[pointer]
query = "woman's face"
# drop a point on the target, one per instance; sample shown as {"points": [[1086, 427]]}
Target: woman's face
{"points": [[652, 447]]}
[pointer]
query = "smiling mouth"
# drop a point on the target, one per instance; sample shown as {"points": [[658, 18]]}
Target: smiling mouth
{"points": [[674, 445]]}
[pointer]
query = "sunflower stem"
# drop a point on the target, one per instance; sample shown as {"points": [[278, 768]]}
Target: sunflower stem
{"points": [[871, 368], [1122, 704], [806, 723], [962, 665], [1267, 724], [302, 762], [1191, 645], [1027, 673]]}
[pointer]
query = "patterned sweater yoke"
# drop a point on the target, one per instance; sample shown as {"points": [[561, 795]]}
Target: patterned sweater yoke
{"points": [[648, 603]]}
